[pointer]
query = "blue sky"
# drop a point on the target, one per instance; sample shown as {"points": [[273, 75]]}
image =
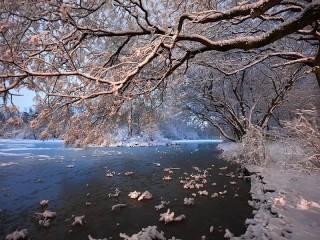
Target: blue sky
{"points": [[24, 102]]}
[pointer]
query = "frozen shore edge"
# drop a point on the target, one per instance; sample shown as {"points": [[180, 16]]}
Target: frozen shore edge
{"points": [[286, 202], [265, 221]]}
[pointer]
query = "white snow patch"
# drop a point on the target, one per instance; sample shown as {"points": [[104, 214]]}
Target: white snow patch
{"points": [[47, 214], [286, 200], [134, 195], [148, 233], [145, 195], [199, 141], [2, 164], [188, 201], [118, 206], [17, 235], [44, 202], [169, 217], [78, 220]]}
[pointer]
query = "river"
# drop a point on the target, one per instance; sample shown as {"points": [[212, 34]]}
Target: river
{"points": [[75, 183]]}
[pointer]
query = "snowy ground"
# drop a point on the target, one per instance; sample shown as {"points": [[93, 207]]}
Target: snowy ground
{"points": [[287, 203], [140, 142]]}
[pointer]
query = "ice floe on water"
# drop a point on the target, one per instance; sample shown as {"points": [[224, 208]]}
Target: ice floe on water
{"points": [[118, 206], [78, 220], [169, 217], [134, 195], [14, 154], [148, 233], [23, 234], [3, 164], [145, 196]]}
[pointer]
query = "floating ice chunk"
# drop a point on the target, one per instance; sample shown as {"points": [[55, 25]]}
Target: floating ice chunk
{"points": [[145, 195], [148, 233], [44, 202], [128, 173], [167, 217], [211, 229], [198, 185], [118, 206], [91, 238], [188, 201], [47, 214], [162, 205], [7, 163], [70, 166], [222, 193], [88, 203], [228, 234], [214, 184], [157, 164], [233, 183], [196, 168], [203, 237], [44, 222], [109, 174], [17, 235], [203, 193], [78, 220], [214, 195], [167, 178], [134, 194], [115, 194], [180, 218], [224, 168]]}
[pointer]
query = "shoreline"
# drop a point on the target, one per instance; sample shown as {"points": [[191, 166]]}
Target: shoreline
{"points": [[285, 202]]}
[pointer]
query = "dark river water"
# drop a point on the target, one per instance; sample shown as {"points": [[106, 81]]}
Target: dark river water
{"points": [[31, 171]]}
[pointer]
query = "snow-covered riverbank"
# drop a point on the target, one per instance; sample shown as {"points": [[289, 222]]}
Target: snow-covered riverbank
{"points": [[286, 203]]}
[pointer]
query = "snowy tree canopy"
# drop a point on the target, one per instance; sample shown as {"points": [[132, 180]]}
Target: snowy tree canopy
{"points": [[88, 58]]}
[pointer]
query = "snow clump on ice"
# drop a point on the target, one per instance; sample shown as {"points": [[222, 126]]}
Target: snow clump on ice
{"points": [[188, 201], [44, 202], [148, 233], [162, 205], [145, 195], [203, 193], [134, 195], [91, 238], [47, 214], [115, 194], [17, 235], [118, 206], [78, 220], [169, 217]]}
